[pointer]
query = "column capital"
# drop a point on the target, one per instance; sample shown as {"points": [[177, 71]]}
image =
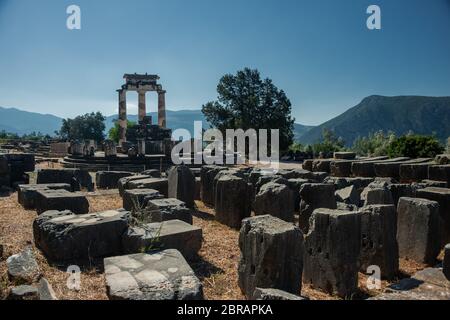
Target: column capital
{"points": [[162, 91]]}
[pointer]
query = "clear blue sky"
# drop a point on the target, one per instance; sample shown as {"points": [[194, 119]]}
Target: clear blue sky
{"points": [[320, 52]]}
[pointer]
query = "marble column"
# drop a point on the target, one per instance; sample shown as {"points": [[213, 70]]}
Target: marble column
{"points": [[162, 108], [142, 107], [122, 115]]}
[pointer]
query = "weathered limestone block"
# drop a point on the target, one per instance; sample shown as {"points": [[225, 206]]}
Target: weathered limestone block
{"points": [[379, 239], [123, 182], [399, 190], [275, 199], [340, 183], [274, 294], [61, 200], [322, 165], [66, 238], [198, 185], [308, 164], [110, 148], [366, 168], [268, 179], [413, 172], [159, 184], [167, 209], [233, 200], [344, 155], [341, 168], [163, 275], [207, 175], [439, 173], [27, 193], [418, 231], [77, 178], [172, 234], [433, 183], [181, 184], [22, 267], [271, 255], [313, 196], [295, 185], [377, 193], [441, 196], [332, 249], [392, 169], [348, 195], [110, 179], [137, 199], [442, 159]]}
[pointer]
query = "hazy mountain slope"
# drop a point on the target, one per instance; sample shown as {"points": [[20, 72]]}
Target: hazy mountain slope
{"points": [[21, 122], [422, 115]]}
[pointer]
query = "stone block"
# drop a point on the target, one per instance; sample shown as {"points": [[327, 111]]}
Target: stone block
{"points": [[110, 179], [414, 172], [366, 168], [163, 275], [23, 292], [172, 234], [137, 199], [308, 164], [274, 295], [348, 195], [181, 184], [27, 193], [233, 200], [159, 184], [379, 239], [123, 182], [441, 196], [392, 169], [271, 255], [66, 238], [344, 155], [322, 165], [313, 196], [418, 231], [61, 200], [341, 168], [275, 199], [332, 249], [198, 186], [440, 173], [207, 175], [167, 209], [77, 178]]}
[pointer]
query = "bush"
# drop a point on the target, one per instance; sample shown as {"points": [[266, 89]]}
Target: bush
{"points": [[330, 144], [415, 146]]}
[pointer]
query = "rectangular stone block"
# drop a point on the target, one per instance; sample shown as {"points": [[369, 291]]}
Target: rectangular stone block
{"points": [[332, 249], [61, 200], [366, 168], [341, 168], [344, 155], [418, 231], [167, 209], [322, 165], [441, 196], [27, 193], [110, 179], [271, 255], [159, 184], [379, 239], [392, 169], [123, 182], [314, 196], [172, 234], [77, 178], [66, 238], [440, 173], [207, 175], [163, 275], [414, 172], [137, 199]]}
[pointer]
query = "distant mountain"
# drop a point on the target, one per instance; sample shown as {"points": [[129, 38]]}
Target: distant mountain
{"points": [[421, 115], [300, 129], [21, 122]]}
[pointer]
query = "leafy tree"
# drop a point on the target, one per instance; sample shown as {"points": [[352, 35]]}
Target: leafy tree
{"points": [[375, 144], [415, 146], [329, 144], [88, 126], [113, 133], [245, 101]]}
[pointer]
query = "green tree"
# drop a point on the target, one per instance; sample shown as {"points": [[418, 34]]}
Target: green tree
{"points": [[415, 146], [375, 144], [245, 101], [113, 133], [329, 144], [88, 126]]}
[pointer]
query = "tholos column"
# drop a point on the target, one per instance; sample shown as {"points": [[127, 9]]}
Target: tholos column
{"points": [[142, 107], [162, 108], [122, 116]]}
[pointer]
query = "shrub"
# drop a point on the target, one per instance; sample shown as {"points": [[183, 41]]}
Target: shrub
{"points": [[415, 146]]}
